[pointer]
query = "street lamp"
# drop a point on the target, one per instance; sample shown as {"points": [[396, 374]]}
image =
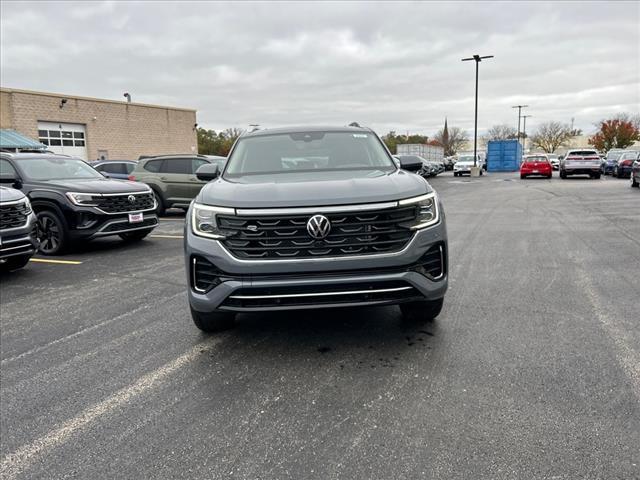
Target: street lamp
{"points": [[477, 59], [519, 107], [524, 131]]}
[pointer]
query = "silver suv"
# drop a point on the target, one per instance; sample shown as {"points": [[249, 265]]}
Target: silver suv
{"points": [[303, 218]]}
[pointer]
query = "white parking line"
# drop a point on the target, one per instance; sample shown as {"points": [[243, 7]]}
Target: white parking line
{"points": [[16, 462]]}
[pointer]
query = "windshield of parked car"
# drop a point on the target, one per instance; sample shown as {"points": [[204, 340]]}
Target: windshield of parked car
{"points": [[308, 152], [55, 168], [466, 158], [613, 155], [535, 159]]}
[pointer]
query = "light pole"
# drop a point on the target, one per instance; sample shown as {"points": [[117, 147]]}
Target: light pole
{"points": [[519, 107], [478, 59], [524, 131]]}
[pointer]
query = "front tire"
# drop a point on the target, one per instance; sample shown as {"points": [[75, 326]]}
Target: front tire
{"points": [[563, 175], [214, 321], [422, 311], [160, 207], [52, 233], [135, 236], [14, 263], [634, 183]]}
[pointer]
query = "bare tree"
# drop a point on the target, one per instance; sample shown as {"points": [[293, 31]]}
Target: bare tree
{"points": [[457, 138], [551, 135], [501, 132]]}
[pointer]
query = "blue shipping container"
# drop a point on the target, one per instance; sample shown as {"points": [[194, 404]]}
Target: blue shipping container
{"points": [[504, 155]]}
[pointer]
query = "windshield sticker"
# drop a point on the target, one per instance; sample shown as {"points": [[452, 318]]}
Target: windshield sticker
{"points": [[360, 135]]}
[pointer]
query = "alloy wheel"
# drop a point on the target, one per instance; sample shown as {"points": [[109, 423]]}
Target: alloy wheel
{"points": [[49, 234]]}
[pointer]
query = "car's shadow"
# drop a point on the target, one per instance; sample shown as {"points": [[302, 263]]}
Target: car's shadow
{"points": [[377, 335]]}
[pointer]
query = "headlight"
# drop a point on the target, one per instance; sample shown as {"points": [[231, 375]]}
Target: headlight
{"points": [[428, 213], [27, 207], [84, 199], [203, 220]]}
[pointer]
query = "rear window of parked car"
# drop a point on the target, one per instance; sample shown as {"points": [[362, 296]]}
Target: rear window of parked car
{"points": [[536, 159], [583, 153]]}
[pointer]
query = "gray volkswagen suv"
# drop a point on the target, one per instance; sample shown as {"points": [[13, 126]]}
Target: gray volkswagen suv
{"points": [[305, 218]]}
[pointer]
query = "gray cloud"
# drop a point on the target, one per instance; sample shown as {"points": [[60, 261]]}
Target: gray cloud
{"points": [[388, 65]]}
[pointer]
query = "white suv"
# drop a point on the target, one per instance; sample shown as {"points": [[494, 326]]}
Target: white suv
{"points": [[581, 162]]}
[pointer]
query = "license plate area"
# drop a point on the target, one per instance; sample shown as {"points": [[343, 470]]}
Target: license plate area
{"points": [[136, 217]]}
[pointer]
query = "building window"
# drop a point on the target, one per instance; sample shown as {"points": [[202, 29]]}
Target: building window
{"points": [[79, 143], [78, 134], [55, 142]]}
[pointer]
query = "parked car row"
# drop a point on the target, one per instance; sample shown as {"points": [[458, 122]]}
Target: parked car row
{"points": [[429, 168], [583, 162], [57, 200], [69, 201]]}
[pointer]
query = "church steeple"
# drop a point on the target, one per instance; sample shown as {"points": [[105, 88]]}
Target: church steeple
{"points": [[445, 137]]}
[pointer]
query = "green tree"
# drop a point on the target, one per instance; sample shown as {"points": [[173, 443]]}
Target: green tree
{"points": [[211, 142]]}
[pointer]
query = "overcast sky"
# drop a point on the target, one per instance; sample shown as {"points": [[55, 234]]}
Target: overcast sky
{"points": [[386, 65]]}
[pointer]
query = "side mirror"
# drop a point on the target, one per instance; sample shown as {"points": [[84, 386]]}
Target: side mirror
{"points": [[11, 179], [105, 174], [410, 165], [208, 172]]}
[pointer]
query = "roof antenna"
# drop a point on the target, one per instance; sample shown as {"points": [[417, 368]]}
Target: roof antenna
{"points": [[355, 124]]}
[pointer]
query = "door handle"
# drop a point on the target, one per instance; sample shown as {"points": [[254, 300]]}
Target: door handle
{"points": [[163, 178], [193, 179]]}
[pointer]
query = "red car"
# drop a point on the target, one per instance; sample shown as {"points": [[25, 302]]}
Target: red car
{"points": [[536, 165]]}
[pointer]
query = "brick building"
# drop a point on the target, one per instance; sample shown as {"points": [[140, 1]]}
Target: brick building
{"points": [[91, 128]]}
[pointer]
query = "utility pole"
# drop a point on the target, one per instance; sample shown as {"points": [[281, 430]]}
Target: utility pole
{"points": [[477, 59], [524, 131], [519, 107]]}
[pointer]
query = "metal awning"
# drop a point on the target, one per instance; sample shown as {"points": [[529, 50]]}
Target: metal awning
{"points": [[12, 139]]}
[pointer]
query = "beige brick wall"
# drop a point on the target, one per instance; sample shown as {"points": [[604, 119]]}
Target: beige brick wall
{"points": [[125, 130]]}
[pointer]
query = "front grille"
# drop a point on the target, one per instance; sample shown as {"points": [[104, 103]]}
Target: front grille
{"points": [[352, 233], [123, 226], [122, 203], [316, 295], [14, 215]]}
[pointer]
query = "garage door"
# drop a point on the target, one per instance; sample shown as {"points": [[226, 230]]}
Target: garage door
{"points": [[64, 138]]}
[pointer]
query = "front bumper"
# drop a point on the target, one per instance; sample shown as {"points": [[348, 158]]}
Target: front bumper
{"points": [[19, 241], [263, 285], [106, 225]]}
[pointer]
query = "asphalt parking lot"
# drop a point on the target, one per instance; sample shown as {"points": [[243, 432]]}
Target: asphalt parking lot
{"points": [[531, 371]]}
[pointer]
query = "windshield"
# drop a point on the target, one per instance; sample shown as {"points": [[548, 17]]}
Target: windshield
{"points": [[613, 155], [466, 158], [55, 168], [535, 159], [307, 152]]}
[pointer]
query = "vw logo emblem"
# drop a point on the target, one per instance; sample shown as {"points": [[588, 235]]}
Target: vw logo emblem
{"points": [[131, 199], [318, 227]]}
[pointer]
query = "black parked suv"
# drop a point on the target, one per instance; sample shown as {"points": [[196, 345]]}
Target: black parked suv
{"points": [[18, 239], [303, 218], [72, 201]]}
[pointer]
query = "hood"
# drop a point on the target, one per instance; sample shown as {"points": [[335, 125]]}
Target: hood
{"points": [[312, 189], [10, 194], [95, 185]]}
